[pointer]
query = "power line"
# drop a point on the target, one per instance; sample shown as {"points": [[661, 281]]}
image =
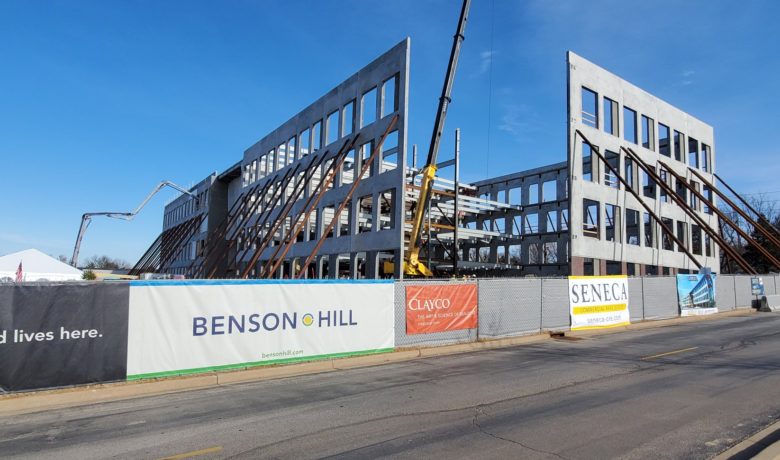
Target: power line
{"points": [[490, 87], [761, 193]]}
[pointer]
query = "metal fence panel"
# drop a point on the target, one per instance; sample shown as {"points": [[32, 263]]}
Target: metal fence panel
{"points": [[660, 297], [555, 304], [402, 339], [743, 291], [724, 292], [769, 285], [636, 308], [509, 307]]}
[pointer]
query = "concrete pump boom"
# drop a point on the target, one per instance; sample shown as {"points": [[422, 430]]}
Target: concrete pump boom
{"points": [[86, 218]]}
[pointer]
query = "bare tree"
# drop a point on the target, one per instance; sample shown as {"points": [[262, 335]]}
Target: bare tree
{"points": [[106, 263], [769, 210]]}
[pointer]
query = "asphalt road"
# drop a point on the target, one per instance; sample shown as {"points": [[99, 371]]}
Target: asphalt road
{"points": [[683, 391]]}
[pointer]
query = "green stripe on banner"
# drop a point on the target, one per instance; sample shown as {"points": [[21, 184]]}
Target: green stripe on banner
{"points": [[201, 370]]}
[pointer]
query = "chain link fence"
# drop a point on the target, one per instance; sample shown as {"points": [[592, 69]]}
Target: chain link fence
{"points": [[509, 307]]}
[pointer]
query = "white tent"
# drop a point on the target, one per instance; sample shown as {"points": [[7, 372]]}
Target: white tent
{"points": [[36, 266]]}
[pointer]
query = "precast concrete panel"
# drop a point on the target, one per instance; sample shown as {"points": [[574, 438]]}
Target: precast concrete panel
{"points": [[743, 291], [724, 292], [361, 108], [555, 304], [609, 131], [509, 307], [636, 307], [660, 297], [402, 339]]}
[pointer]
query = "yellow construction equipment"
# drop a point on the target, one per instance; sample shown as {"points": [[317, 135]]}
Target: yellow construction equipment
{"points": [[412, 265]]}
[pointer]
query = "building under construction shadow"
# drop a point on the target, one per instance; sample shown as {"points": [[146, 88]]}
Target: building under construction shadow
{"points": [[331, 193]]}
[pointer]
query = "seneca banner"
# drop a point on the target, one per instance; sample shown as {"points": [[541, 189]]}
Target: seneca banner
{"points": [[184, 327], [440, 307], [696, 294], [597, 302]]}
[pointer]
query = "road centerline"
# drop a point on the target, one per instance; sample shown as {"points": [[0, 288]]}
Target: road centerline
{"points": [[674, 352], [194, 453]]}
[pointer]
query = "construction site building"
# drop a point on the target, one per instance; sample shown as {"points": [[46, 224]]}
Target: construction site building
{"points": [[331, 193]]}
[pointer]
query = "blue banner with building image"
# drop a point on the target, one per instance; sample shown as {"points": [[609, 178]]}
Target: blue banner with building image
{"points": [[696, 294]]}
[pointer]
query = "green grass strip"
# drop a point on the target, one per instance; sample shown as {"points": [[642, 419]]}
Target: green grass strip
{"points": [[226, 367]]}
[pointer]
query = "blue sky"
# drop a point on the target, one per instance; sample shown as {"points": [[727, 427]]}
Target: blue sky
{"points": [[101, 100]]}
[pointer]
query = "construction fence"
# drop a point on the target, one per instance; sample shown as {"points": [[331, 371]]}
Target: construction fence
{"points": [[54, 335]]}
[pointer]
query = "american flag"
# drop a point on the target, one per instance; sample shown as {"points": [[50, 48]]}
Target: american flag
{"points": [[19, 273]]}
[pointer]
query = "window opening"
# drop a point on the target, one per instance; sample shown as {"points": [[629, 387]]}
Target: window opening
{"points": [[590, 218], [590, 108], [629, 124]]}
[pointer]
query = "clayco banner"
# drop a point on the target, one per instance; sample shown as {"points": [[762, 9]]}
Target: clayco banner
{"points": [[440, 307], [597, 302]]}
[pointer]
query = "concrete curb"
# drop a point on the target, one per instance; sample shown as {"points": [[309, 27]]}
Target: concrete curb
{"points": [[30, 402], [764, 445]]}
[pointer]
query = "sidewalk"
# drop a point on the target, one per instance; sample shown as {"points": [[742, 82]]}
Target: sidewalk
{"points": [[764, 445]]}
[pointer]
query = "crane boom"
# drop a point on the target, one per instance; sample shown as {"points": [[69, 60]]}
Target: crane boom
{"points": [[86, 218], [412, 265]]}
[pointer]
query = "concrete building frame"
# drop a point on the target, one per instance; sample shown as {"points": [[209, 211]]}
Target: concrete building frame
{"points": [[571, 217]]}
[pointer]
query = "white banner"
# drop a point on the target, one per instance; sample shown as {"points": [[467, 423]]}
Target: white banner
{"points": [[181, 327], [597, 302]]}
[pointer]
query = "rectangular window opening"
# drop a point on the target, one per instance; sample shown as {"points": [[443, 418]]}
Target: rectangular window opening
{"points": [[612, 222], [344, 220], [629, 125], [696, 239], [693, 152], [316, 136], [590, 218], [348, 168], [292, 150], [632, 227], [667, 238], [531, 224], [648, 133], [389, 96], [386, 207], [550, 255], [649, 230], [681, 235], [587, 162], [332, 128], [590, 108], [348, 118], [610, 178], [368, 108], [533, 194], [610, 116], [664, 148], [549, 191], [534, 254], [706, 158], [552, 222], [628, 171], [648, 185], [390, 152], [365, 154], [678, 146], [304, 143], [365, 214]]}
